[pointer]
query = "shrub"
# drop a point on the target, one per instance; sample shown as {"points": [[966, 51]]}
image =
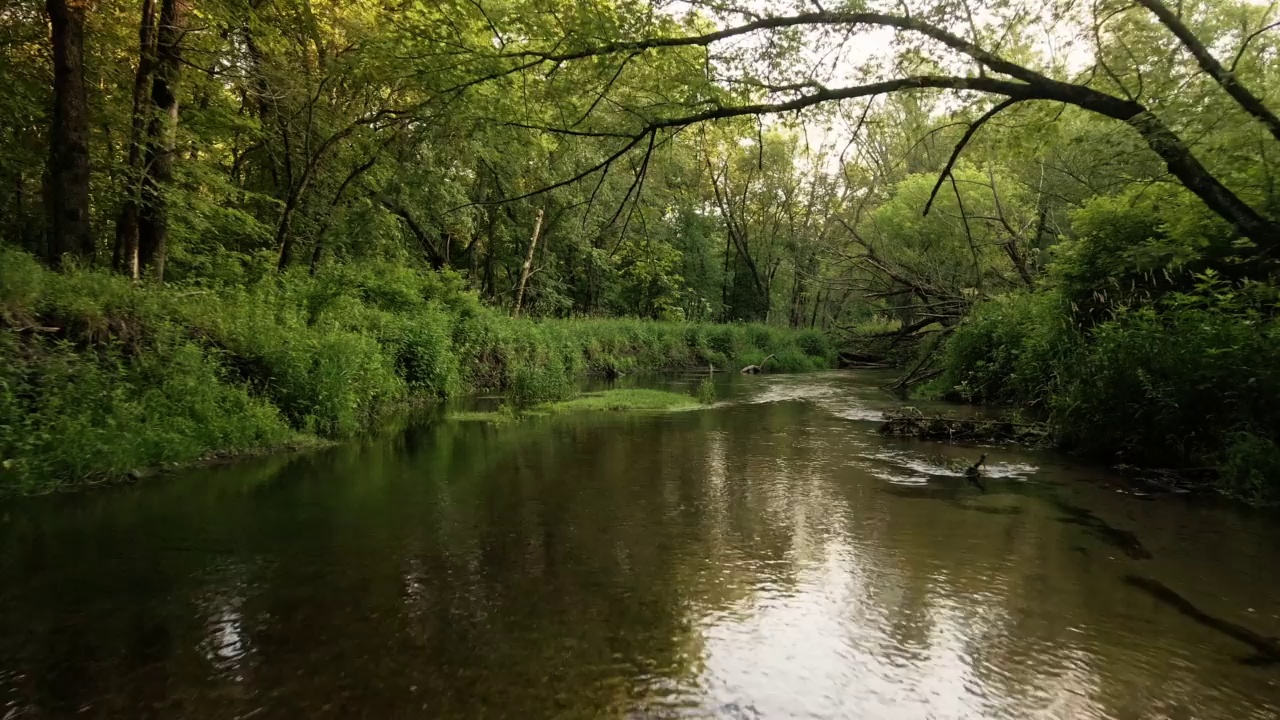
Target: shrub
{"points": [[1249, 466], [1007, 351], [1191, 379], [143, 375]]}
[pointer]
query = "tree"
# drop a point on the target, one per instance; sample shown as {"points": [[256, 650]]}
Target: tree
{"points": [[162, 130], [125, 256], [69, 230], [1014, 81]]}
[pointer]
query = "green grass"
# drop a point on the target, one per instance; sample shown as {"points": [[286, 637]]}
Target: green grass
{"points": [[501, 415], [628, 400], [99, 376], [604, 401]]}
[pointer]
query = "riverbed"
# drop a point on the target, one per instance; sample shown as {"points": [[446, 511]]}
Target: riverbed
{"points": [[770, 556]]}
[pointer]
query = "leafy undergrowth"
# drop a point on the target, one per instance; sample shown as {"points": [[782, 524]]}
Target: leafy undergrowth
{"points": [[99, 377], [1187, 382]]}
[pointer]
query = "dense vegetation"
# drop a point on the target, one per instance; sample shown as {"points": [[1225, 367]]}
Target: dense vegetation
{"points": [[102, 378], [305, 209]]}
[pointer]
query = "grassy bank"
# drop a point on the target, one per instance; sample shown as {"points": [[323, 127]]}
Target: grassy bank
{"points": [[99, 376]]}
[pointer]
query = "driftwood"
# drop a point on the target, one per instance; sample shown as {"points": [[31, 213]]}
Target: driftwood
{"points": [[865, 361], [756, 369], [911, 423]]}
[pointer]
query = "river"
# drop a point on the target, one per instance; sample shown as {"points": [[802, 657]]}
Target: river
{"points": [[768, 557]]}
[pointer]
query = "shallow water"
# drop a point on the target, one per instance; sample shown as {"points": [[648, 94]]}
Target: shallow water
{"points": [[771, 556]]}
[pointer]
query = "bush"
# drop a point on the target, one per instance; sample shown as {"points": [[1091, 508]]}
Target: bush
{"points": [[67, 416], [133, 376], [1249, 466], [1170, 385], [1189, 380], [1007, 351], [707, 391]]}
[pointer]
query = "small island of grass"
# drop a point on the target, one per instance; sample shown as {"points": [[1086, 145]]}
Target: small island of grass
{"points": [[623, 400], [607, 400]]}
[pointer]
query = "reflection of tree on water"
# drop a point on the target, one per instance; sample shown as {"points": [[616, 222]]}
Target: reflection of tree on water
{"points": [[1266, 649], [735, 560]]}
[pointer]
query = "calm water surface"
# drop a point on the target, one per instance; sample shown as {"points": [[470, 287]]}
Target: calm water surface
{"points": [[769, 557]]}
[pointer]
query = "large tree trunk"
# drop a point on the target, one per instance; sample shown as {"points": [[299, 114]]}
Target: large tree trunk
{"points": [[125, 257], [69, 232], [153, 225]]}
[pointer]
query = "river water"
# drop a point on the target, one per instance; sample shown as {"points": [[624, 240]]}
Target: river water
{"points": [[768, 557]]}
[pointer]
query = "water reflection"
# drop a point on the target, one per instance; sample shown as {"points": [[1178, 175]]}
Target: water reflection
{"points": [[769, 557]]}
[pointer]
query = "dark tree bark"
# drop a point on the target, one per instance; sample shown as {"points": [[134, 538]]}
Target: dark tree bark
{"points": [[153, 226], [429, 247], [69, 231], [125, 257]]}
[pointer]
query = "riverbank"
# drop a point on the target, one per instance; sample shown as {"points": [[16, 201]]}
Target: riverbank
{"points": [[99, 376]]}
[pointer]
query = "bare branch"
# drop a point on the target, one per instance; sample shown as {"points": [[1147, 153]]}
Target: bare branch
{"points": [[1251, 103], [964, 140], [1244, 44]]}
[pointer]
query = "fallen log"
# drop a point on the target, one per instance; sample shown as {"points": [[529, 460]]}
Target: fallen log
{"points": [[913, 423]]}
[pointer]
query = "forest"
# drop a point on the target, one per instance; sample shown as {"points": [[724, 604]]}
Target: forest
{"points": [[238, 224]]}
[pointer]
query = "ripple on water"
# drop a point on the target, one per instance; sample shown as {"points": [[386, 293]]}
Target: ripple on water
{"points": [[921, 469], [910, 461]]}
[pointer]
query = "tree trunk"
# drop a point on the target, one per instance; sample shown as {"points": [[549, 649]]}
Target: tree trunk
{"points": [[434, 256], [724, 277], [126, 251], [489, 289], [528, 264], [1184, 166], [817, 303], [334, 204], [153, 225], [69, 231], [284, 240]]}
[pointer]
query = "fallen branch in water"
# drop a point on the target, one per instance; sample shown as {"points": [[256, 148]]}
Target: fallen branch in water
{"points": [[912, 423], [756, 369]]}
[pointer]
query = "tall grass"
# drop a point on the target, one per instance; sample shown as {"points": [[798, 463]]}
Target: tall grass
{"points": [[99, 376]]}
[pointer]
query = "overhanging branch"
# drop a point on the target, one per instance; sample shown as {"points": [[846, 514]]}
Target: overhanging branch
{"points": [[964, 140]]}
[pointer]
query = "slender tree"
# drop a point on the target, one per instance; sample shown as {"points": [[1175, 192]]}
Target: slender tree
{"points": [[153, 235], [125, 257]]}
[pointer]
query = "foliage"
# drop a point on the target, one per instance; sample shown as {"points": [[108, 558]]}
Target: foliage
{"points": [[1190, 380], [355, 188], [100, 377], [706, 391], [623, 400], [1007, 350]]}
